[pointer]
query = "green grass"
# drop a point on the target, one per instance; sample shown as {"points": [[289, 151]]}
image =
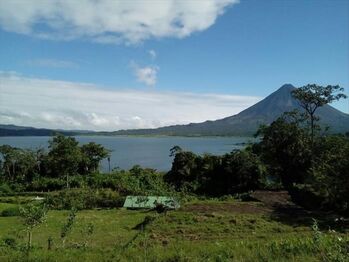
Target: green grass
{"points": [[183, 235]]}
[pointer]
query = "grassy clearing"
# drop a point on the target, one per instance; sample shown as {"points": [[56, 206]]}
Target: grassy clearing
{"points": [[199, 231]]}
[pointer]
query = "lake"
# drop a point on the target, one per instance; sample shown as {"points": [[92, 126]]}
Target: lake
{"points": [[150, 152]]}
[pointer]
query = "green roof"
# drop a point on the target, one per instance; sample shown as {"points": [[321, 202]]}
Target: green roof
{"points": [[150, 202]]}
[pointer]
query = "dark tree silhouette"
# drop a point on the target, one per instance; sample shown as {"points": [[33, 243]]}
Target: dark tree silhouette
{"points": [[313, 96]]}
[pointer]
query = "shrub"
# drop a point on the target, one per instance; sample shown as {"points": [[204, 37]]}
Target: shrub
{"points": [[10, 212], [242, 171], [5, 189], [326, 184], [329, 176], [85, 199], [17, 187], [108, 199], [236, 172], [137, 180], [46, 184], [54, 184], [9, 242], [112, 181]]}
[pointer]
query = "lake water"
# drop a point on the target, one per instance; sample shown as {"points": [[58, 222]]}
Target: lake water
{"points": [[150, 152]]}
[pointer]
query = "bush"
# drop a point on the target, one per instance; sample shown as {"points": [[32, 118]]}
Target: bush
{"points": [[10, 212], [242, 171], [108, 199], [136, 181], [85, 199], [5, 189], [18, 187], [329, 176], [111, 181], [9, 242], [54, 184], [236, 172], [46, 184], [326, 185]]}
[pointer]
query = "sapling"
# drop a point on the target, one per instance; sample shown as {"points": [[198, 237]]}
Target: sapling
{"points": [[87, 232], [33, 215], [68, 226]]}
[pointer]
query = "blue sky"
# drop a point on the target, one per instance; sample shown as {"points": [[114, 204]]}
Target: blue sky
{"points": [[212, 60]]}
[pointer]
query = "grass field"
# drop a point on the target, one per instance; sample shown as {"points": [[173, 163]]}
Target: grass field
{"points": [[268, 229]]}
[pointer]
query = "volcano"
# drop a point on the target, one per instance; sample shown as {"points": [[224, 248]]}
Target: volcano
{"points": [[247, 121]]}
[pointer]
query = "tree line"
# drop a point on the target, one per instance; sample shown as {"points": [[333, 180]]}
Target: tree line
{"points": [[64, 158]]}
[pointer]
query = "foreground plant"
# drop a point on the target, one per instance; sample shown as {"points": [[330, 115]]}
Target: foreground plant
{"points": [[68, 226], [33, 215]]}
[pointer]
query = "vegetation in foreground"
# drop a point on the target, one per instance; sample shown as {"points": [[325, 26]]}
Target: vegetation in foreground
{"points": [[201, 230], [78, 217]]}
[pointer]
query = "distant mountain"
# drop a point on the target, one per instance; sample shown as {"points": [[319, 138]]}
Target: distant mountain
{"points": [[248, 121], [13, 130], [243, 124], [13, 127]]}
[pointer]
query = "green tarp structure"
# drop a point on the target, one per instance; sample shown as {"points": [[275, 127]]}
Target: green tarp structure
{"points": [[150, 202]]}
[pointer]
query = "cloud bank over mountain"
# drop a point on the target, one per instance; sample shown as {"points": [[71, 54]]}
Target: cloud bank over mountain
{"points": [[70, 105]]}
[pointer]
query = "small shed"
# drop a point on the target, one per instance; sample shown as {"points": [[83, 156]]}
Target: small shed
{"points": [[146, 202]]}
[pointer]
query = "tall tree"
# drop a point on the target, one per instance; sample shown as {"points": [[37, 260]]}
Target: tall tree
{"points": [[17, 164], [330, 176], [313, 96], [64, 156], [92, 154], [183, 172], [285, 148]]}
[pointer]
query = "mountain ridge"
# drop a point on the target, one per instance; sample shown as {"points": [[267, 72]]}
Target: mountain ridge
{"points": [[247, 121], [14, 130], [244, 123]]}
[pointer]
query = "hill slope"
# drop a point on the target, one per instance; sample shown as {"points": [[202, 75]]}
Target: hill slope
{"points": [[248, 121], [13, 130]]}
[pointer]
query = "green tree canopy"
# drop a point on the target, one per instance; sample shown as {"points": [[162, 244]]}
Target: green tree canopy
{"points": [[285, 148], [92, 154], [17, 164], [64, 156], [313, 96]]}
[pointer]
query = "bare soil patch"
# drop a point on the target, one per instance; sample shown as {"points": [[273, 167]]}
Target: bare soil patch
{"points": [[243, 207], [272, 198], [266, 202]]}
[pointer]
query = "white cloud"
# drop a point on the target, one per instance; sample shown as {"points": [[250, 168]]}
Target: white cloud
{"points": [[146, 75], [110, 21], [152, 54], [69, 105], [136, 118], [59, 120], [52, 63]]}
